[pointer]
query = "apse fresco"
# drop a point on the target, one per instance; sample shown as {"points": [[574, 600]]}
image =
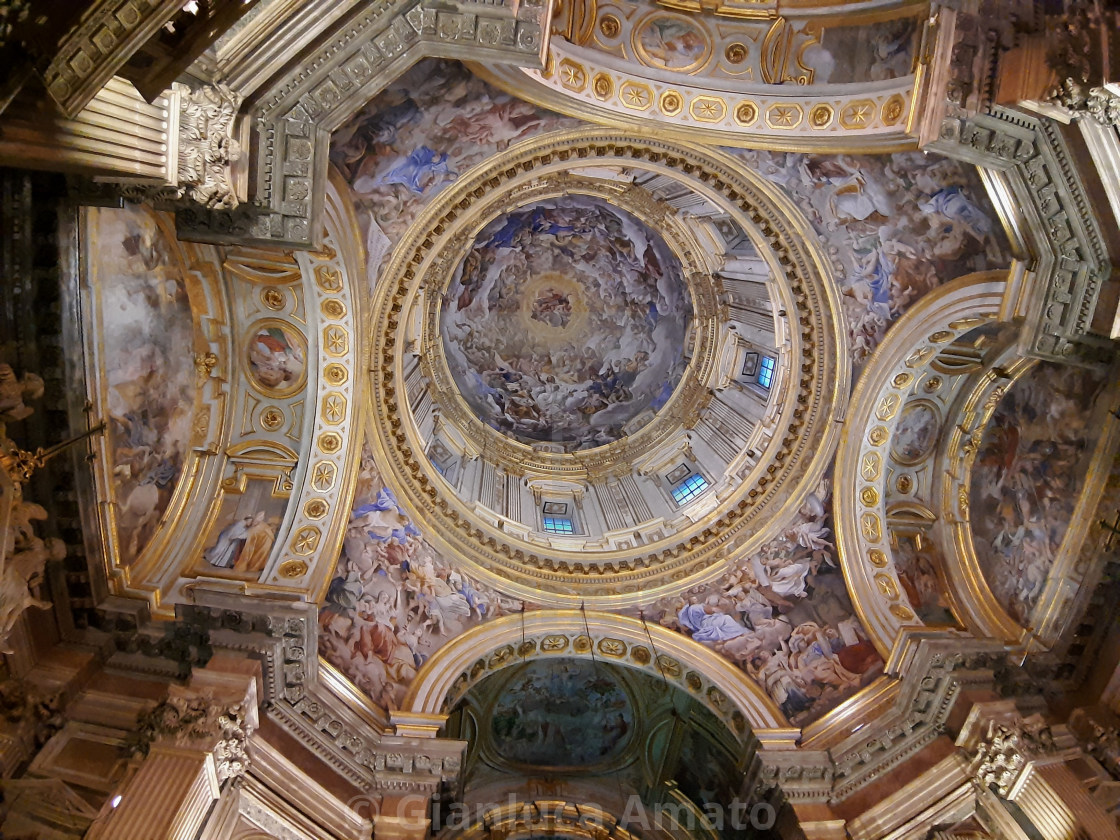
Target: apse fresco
{"points": [[565, 321], [1026, 478], [894, 227], [421, 133], [147, 336], [784, 617], [569, 713], [393, 601]]}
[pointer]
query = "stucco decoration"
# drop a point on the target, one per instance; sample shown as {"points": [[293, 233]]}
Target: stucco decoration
{"points": [[566, 320], [1025, 480], [148, 343]]}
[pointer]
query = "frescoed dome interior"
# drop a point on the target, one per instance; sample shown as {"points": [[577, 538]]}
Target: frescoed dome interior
{"points": [[566, 320]]}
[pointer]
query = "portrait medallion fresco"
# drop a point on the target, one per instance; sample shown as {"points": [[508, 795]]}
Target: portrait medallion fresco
{"points": [[565, 322], [276, 358]]}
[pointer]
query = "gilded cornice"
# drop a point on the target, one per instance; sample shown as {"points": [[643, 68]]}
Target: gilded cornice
{"points": [[787, 469]]}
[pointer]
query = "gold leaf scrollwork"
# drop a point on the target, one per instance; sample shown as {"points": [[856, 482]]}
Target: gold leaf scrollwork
{"points": [[293, 569], [501, 657], [334, 408], [717, 698], [328, 278], [602, 86], [335, 340], [322, 476], [820, 116], [746, 113], [204, 364], [612, 647], [273, 298], [669, 666], [888, 406], [316, 509], [735, 53], [335, 374], [272, 418], [901, 612]]}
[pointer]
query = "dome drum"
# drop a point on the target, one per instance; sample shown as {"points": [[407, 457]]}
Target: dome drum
{"points": [[629, 531]]}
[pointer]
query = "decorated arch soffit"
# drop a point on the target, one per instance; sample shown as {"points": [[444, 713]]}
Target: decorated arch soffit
{"points": [[250, 354], [801, 77], [968, 475]]}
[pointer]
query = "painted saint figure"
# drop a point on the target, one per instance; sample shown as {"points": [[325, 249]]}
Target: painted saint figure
{"points": [[225, 552]]}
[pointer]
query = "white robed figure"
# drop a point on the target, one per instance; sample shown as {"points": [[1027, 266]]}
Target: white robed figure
{"points": [[224, 552]]}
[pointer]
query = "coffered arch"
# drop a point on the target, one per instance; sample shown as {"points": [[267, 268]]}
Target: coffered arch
{"points": [[621, 640]]}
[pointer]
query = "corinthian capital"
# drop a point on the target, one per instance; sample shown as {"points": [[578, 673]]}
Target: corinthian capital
{"points": [[208, 149], [1007, 747], [208, 719]]}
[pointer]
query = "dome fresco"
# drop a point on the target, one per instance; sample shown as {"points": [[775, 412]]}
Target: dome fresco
{"points": [[565, 322]]}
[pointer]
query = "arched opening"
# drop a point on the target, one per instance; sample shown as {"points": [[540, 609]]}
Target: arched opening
{"points": [[574, 747]]}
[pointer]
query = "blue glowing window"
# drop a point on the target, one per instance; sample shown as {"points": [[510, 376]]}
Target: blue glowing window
{"points": [[690, 488], [766, 371], [558, 525]]}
